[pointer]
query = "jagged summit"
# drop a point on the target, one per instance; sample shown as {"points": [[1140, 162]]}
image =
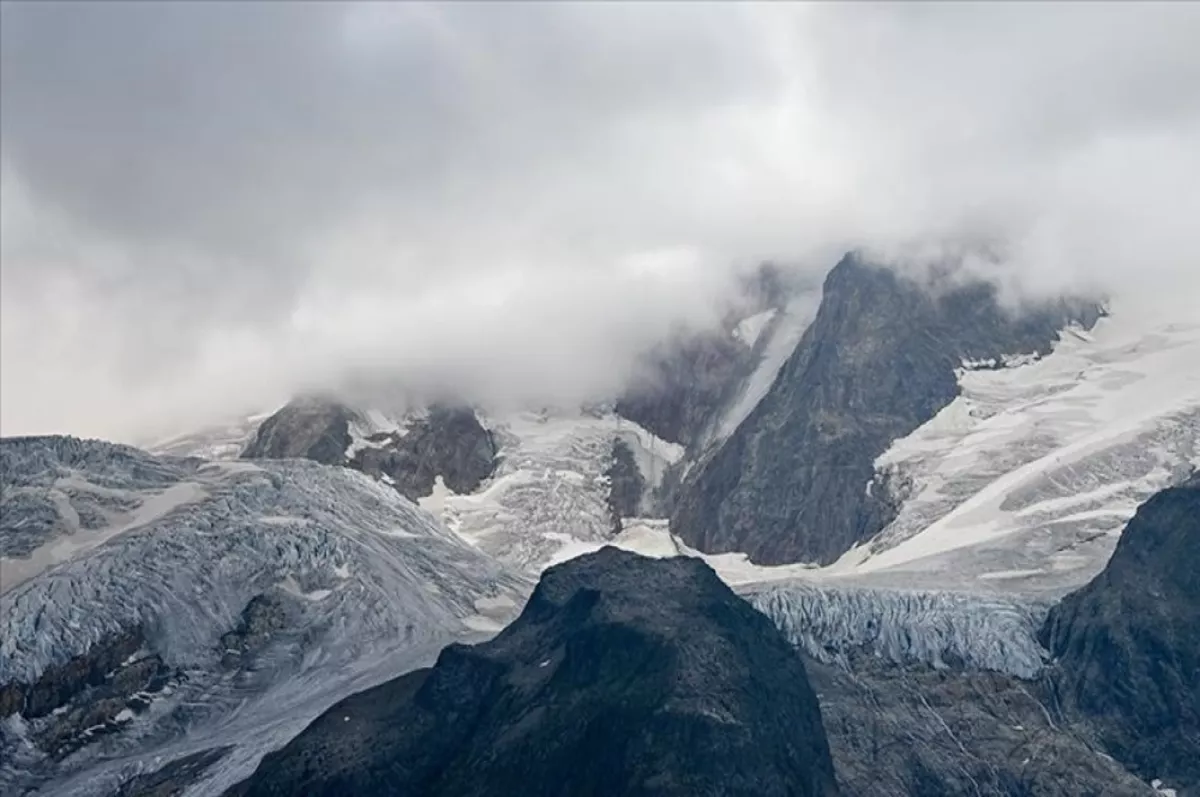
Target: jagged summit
{"points": [[623, 675], [445, 441], [880, 359]]}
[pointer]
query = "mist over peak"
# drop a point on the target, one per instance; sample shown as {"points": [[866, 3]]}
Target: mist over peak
{"points": [[212, 208]]}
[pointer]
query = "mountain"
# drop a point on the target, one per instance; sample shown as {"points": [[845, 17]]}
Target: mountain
{"points": [[1127, 645], [622, 675], [308, 427], [519, 486], [156, 605], [444, 441], [794, 482], [1002, 479]]}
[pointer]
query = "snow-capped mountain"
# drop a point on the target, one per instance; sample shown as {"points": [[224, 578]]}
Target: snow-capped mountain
{"points": [[971, 464], [791, 482]]}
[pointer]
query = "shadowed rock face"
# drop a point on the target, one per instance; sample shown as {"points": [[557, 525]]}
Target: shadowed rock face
{"points": [[626, 485], [449, 442], [623, 675], [912, 730], [686, 382], [794, 482], [307, 428], [1128, 644], [73, 704]]}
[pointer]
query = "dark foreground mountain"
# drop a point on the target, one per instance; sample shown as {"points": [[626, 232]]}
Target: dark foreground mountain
{"points": [[623, 675], [796, 480], [1128, 644]]}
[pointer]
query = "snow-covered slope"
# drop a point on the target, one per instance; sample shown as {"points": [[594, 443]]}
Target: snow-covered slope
{"points": [[1026, 480], [550, 491], [362, 586]]}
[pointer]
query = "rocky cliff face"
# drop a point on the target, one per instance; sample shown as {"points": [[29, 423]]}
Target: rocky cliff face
{"points": [[306, 428], [911, 730], [1128, 644], [685, 381], [447, 441], [623, 675], [796, 480]]}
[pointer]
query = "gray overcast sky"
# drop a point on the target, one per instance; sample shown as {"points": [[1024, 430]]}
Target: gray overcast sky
{"points": [[208, 206]]}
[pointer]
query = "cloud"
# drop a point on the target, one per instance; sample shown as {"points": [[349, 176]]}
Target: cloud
{"points": [[209, 206]]}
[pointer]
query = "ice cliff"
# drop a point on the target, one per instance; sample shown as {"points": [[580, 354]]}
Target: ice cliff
{"points": [[941, 629]]}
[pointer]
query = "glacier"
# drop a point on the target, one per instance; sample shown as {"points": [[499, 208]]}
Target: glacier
{"points": [[550, 491], [944, 630], [372, 586], [1025, 481], [835, 620]]}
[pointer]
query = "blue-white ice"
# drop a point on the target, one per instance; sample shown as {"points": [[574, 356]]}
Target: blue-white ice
{"points": [[378, 586], [940, 629]]}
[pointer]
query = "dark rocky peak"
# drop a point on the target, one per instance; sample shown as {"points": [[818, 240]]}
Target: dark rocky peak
{"points": [[626, 485], [1128, 644], [794, 482], [623, 675], [447, 441], [309, 427]]}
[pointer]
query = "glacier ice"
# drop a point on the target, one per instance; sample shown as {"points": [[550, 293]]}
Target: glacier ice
{"points": [[1027, 478], [378, 587], [549, 492], [937, 628]]}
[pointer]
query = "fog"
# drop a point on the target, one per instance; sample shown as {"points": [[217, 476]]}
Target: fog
{"points": [[208, 207]]}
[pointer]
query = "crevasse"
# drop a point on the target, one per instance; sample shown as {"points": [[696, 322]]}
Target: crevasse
{"points": [[941, 629]]}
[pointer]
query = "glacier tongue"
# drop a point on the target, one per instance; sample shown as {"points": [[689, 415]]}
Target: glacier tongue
{"points": [[368, 586], [941, 629]]}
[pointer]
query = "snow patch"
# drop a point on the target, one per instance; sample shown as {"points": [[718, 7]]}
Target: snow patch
{"points": [[750, 329], [478, 622], [1159, 787], [435, 502]]}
